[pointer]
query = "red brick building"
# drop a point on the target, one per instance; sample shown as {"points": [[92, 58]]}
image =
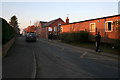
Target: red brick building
{"points": [[30, 29], [107, 26], [45, 28]]}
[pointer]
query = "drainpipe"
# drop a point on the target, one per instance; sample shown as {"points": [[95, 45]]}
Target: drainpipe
{"points": [[96, 30], [105, 25], [105, 31], [46, 32]]}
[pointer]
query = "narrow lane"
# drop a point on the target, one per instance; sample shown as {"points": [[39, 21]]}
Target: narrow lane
{"points": [[55, 60], [50, 64]]}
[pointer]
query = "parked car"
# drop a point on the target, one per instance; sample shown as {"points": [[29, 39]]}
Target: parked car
{"points": [[31, 37]]}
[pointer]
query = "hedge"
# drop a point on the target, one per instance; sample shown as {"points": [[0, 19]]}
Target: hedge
{"points": [[81, 36], [7, 31]]}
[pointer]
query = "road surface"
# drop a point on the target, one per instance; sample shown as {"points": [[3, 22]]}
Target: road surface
{"points": [[56, 60]]}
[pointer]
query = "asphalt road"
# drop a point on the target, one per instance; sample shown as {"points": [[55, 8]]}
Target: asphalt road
{"points": [[19, 62], [58, 60]]}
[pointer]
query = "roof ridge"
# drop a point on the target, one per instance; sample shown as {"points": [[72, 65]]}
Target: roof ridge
{"points": [[93, 19], [43, 21], [51, 22]]}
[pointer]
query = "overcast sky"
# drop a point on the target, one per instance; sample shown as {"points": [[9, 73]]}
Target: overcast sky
{"points": [[46, 11]]}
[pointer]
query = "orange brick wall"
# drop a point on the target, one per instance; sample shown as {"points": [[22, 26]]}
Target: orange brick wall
{"points": [[82, 26], [31, 28]]}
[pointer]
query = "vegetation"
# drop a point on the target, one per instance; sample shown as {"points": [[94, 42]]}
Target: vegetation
{"points": [[7, 31], [81, 39], [14, 23], [105, 47], [81, 36]]}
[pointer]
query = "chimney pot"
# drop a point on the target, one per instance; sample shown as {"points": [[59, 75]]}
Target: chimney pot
{"points": [[67, 20]]}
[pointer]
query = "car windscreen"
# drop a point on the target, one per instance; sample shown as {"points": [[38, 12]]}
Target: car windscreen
{"points": [[31, 34]]}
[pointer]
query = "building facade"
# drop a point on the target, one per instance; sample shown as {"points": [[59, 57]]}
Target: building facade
{"points": [[29, 29], [107, 26], [53, 27]]}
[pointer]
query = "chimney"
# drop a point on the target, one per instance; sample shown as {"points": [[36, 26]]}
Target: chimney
{"points": [[67, 20]]}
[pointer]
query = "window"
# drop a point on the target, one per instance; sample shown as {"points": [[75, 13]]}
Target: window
{"points": [[108, 26], [58, 29], [55, 29], [59, 24], [49, 29], [61, 29], [92, 27]]}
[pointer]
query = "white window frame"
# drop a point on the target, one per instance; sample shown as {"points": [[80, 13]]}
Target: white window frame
{"points": [[94, 27], [55, 28], [111, 26], [59, 24], [49, 28]]}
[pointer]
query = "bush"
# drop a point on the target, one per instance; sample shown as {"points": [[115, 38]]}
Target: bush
{"points": [[81, 36], [7, 31], [117, 44]]}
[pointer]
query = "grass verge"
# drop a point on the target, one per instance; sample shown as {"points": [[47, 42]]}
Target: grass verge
{"points": [[107, 48]]}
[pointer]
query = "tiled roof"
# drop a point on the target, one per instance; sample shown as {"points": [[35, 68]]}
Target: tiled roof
{"points": [[43, 23], [46, 24], [93, 19]]}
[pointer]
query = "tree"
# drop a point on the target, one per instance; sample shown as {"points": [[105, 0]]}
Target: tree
{"points": [[14, 23]]}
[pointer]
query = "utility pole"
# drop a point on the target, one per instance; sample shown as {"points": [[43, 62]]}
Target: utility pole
{"points": [[30, 22], [30, 25]]}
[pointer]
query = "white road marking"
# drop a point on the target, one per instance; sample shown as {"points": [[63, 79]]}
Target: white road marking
{"points": [[35, 64], [83, 54]]}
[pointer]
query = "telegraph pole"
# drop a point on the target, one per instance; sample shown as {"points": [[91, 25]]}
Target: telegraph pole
{"points": [[30, 22], [30, 25]]}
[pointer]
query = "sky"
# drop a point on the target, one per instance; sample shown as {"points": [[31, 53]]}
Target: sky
{"points": [[47, 11]]}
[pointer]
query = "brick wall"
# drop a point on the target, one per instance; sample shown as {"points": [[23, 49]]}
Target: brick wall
{"points": [[7, 46], [99, 24], [44, 30]]}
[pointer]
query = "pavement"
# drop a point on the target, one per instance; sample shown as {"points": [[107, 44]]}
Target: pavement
{"points": [[20, 61], [0, 60], [53, 59]]}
